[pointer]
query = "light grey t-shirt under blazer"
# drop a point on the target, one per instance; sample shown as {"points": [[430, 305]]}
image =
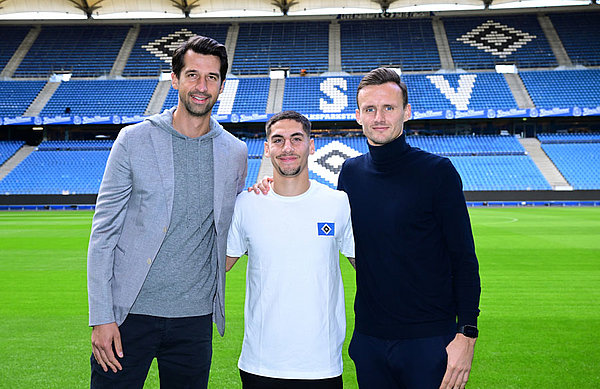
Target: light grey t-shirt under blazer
{"points": [[182, 280]]}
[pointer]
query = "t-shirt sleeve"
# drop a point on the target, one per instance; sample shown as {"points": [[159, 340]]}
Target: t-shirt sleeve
{"points": [[346, 238], [236, 242]]}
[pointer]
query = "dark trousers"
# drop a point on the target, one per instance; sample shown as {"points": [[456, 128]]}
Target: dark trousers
{"points": [[182, 347], [399, 364], [252, 381]]}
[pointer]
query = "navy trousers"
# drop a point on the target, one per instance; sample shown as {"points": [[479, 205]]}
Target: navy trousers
{"points": [[399, 364], [182, 347]]}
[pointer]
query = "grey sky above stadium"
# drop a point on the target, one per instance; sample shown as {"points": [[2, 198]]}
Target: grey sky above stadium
{"points": [[128, 9]]}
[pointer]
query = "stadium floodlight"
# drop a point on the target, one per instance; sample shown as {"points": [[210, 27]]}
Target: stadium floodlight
{"points": [[37, 128], [278, 73], [512, 68]]}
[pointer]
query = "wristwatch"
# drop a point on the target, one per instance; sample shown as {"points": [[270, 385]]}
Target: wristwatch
{"points": [[469, 331]]}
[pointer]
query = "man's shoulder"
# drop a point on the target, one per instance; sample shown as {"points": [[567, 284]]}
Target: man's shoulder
{"points": [[326, 191], [356, 162]]}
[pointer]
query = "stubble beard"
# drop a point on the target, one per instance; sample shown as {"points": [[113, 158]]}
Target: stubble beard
{"points": [[198, 111]]}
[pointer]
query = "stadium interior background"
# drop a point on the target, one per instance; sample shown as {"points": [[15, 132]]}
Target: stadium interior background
{"points": [[511, 96]]}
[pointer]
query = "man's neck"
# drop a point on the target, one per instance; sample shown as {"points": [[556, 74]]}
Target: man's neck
{"points": [[290, 186], [189, 125]]}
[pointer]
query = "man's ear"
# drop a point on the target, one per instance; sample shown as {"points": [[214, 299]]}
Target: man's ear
{"points": [[267, 150], [311, 149], [174, 81], [407, 112], [357, 114]]}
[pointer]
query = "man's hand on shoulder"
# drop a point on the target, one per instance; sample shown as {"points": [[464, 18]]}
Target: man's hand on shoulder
{"points": [[103, 337], [460, 357], [263, 186]]}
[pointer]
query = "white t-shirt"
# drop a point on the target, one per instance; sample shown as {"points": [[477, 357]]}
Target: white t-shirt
{"points": [[294, 313]]}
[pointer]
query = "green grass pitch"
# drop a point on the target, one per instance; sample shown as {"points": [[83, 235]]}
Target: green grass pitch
{"points": [[540, 319]]}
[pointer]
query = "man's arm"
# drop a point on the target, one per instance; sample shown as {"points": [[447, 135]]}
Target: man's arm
{"points": [[230, 262], [460, 358], [113, 197], [451, 212]]}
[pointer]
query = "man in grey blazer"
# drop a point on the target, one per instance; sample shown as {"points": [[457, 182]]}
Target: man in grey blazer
{"points": [[156, 258]]}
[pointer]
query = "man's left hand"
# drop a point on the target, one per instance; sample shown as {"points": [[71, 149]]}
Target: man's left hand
{"points": [[460, 356]]}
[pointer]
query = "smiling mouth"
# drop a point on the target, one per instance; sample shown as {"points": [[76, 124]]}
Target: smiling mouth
{"points": [[200, 99]]}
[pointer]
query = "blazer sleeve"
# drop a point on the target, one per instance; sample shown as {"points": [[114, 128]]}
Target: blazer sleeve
{"points": [[244, 167], [111, 206]]}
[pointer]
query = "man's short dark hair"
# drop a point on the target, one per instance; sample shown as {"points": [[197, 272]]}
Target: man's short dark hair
{"points": [[382, 76], [201, 45], [291, 115]]}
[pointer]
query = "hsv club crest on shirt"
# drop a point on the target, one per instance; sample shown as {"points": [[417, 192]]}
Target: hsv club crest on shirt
{"points": [[326, 229]]}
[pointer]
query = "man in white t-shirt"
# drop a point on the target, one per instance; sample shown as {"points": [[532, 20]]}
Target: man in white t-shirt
{"points": [[294, 312]]}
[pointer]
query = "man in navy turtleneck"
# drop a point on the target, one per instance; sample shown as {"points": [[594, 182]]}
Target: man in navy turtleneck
{"points": [[417, 274]]}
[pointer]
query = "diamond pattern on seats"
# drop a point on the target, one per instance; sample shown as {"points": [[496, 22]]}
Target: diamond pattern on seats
{"points": [[497, 39]]}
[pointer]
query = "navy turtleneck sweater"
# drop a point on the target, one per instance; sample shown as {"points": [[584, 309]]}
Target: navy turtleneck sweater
{"points": [[416, 269]]}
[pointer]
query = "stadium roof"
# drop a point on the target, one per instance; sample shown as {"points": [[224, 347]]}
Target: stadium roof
{"points": [[128, 9]]}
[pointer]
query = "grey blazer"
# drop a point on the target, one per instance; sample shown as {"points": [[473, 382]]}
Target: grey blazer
{"points": [[133, 212]]}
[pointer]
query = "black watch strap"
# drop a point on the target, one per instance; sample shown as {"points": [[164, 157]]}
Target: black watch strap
{"points": [[469, 331]]}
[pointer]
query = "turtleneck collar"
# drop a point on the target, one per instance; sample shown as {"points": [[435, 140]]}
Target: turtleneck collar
{"points": [[389, 153]]}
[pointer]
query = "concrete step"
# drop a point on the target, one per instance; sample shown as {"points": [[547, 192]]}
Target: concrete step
{"points": [[554, 41], [16, 59], [158, 98], [266, 168], [125, 52], [519, 92], [441, 40], [275, 98], [546, 166], [42, 99], [16, 159]]}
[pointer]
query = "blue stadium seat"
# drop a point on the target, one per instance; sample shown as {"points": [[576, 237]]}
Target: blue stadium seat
{"points": [[578, 88], [408, 44], [336, 94], [295, 45], [151, 54], [57, 172], [10, 39], [484, 162], [101, 97], [9, 148], [483, 42], [84, 51], [17, 96], [240, 96], [578, 33]]}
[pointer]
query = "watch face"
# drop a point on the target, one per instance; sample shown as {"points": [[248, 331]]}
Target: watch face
{"points": [[470, 331]]}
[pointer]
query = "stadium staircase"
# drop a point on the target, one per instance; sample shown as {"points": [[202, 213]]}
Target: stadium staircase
{"points": [[42, 99], [21, 52], [547, 168], [158, 97], [555, 43], [266, 168], [16, 159], [230, 42], [335, 51], [125, 52], [441, 40], [518, 90], [275, 99]]}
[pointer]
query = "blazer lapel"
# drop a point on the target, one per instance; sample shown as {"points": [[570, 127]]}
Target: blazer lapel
{"points": [[163, 149]]}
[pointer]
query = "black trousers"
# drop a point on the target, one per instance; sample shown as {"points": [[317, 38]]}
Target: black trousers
{"points": [[252, 381], [399, 364], [182, 347]]}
